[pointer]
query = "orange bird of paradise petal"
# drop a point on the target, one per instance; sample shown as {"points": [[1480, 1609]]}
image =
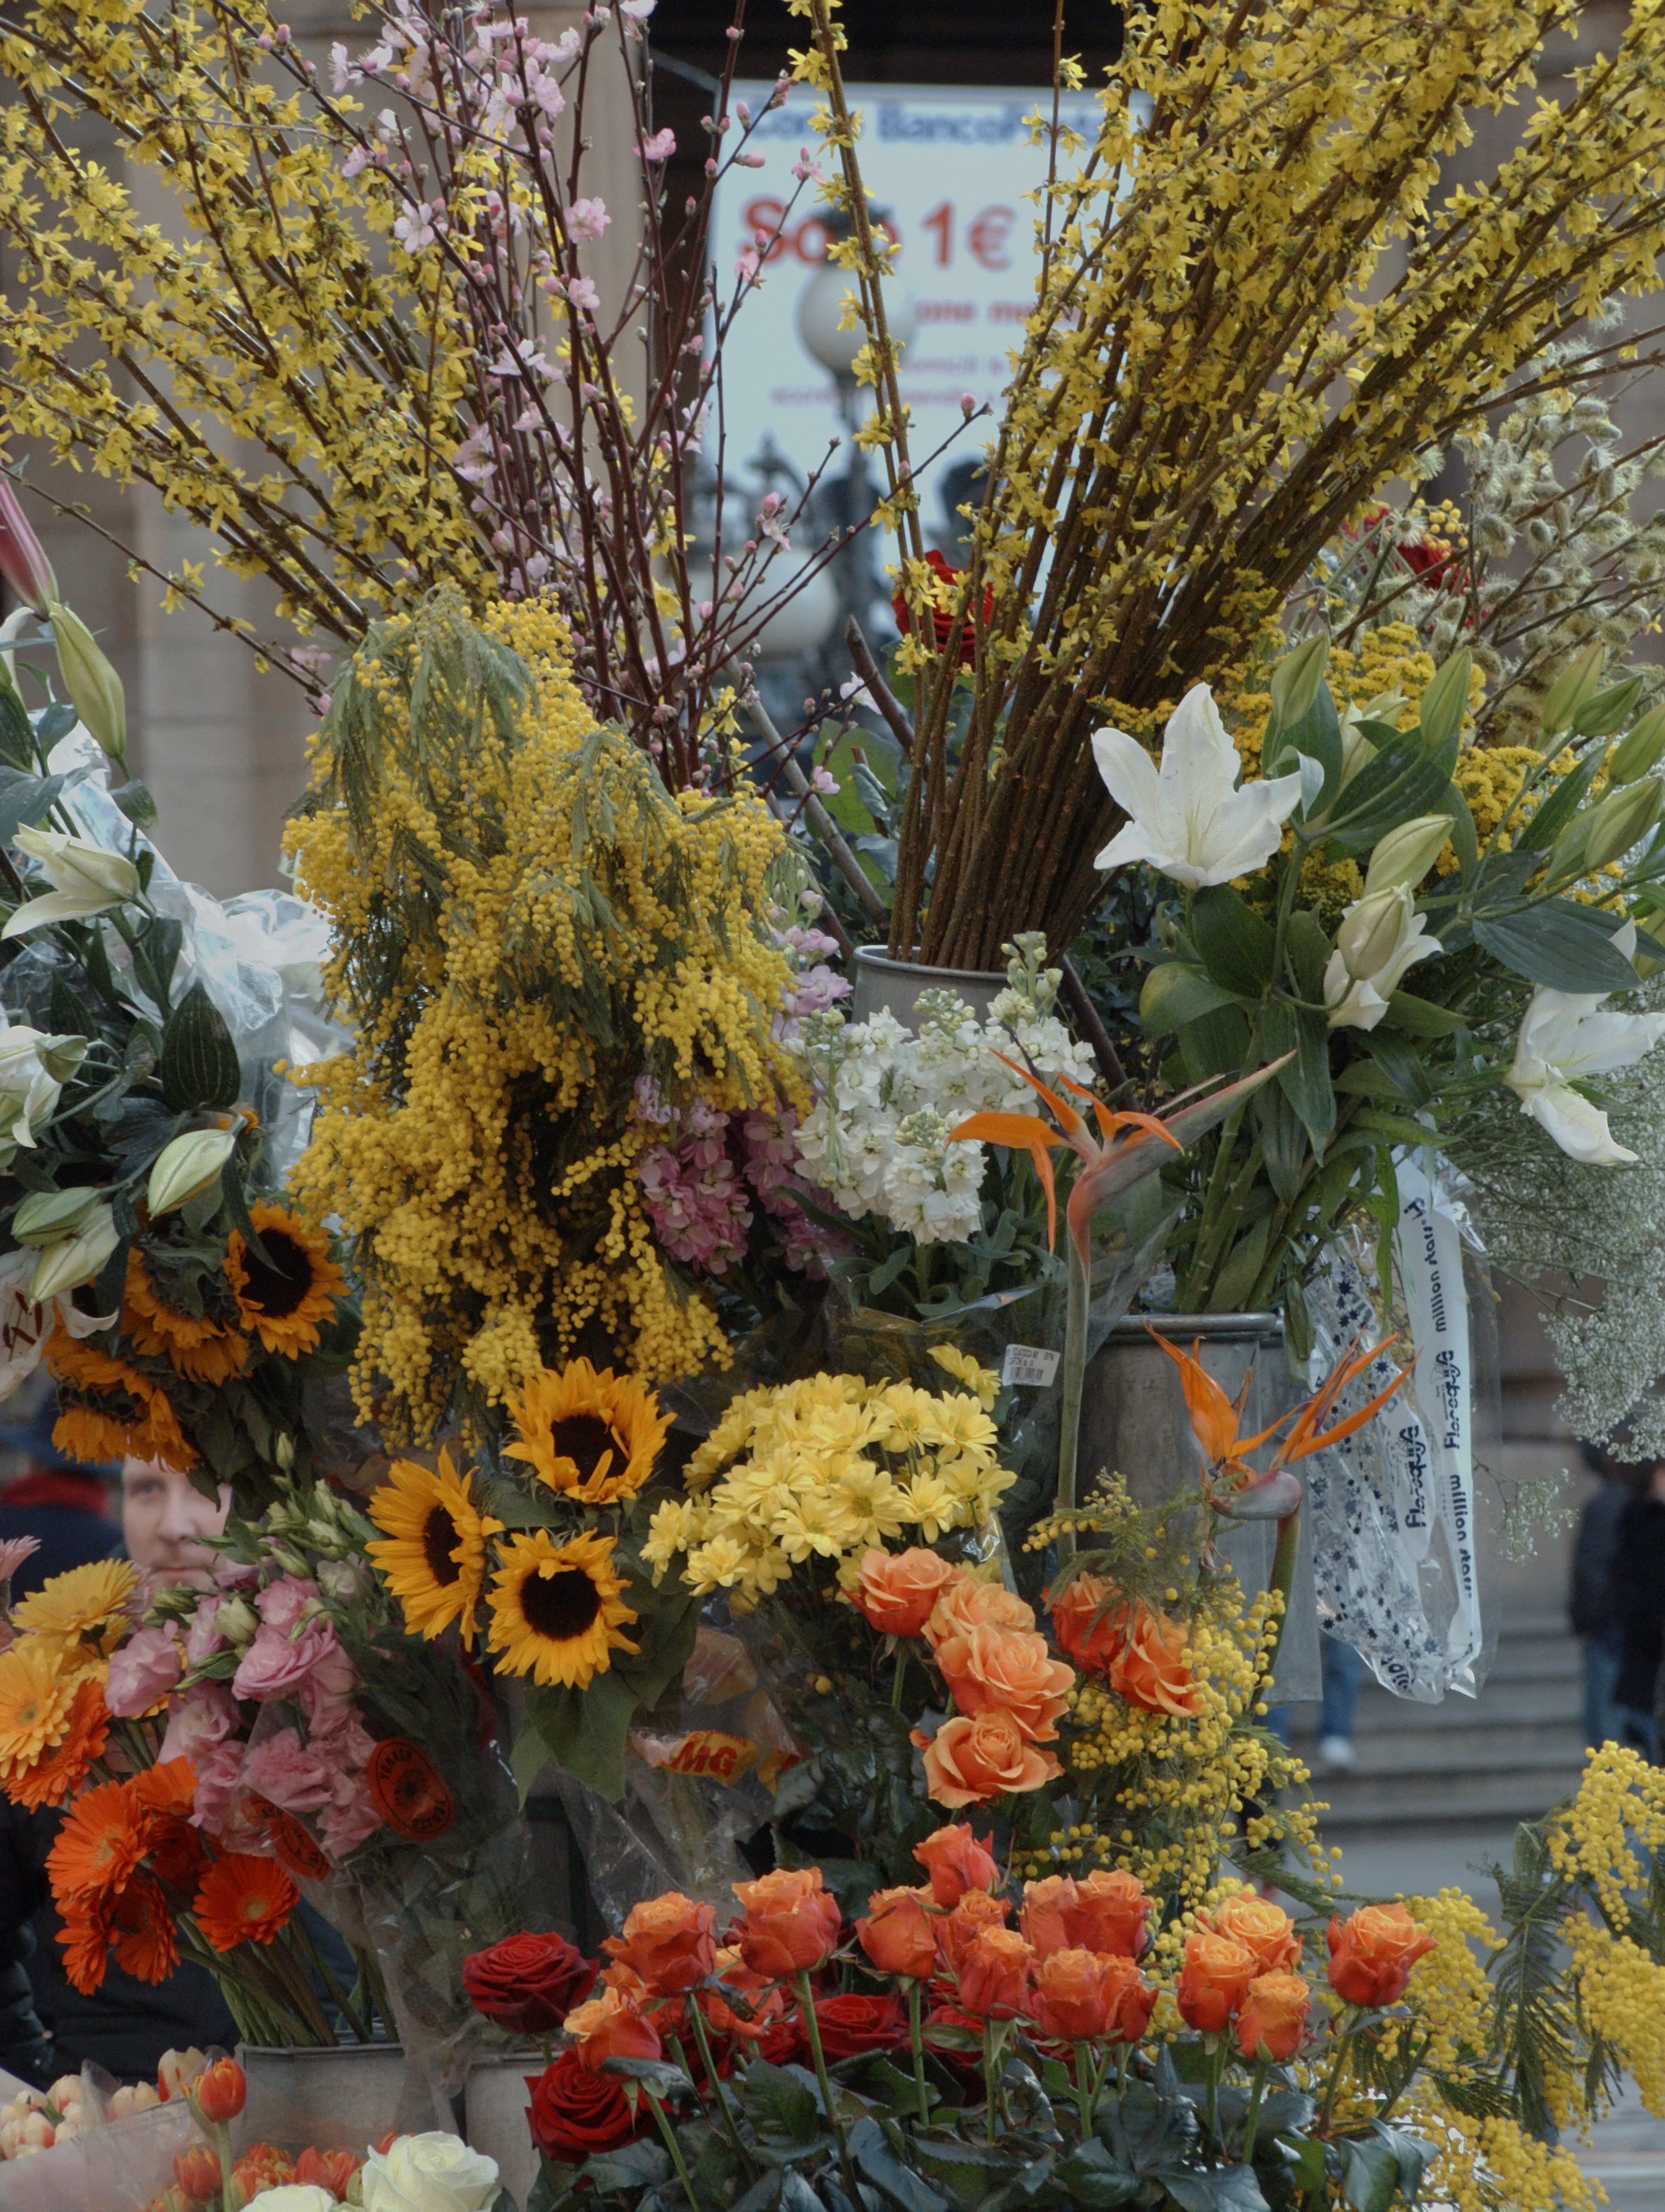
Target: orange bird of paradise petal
{"points": [[1215, 1418]]}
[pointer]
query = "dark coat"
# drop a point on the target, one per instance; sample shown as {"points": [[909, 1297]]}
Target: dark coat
{"points": [[1591, 1602], [1638, 1588]]}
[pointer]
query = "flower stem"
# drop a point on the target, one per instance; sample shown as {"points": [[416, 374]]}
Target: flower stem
{"points": [[1263, 2067], [718, 2086], [1086, 2084], [812, 2028], [915, 2034], [220, 2134], [1075, 1373], [901, 1676], [1216, 2063], [676, 2149]]}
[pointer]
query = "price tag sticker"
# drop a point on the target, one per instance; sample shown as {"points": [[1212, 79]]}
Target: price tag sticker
{"points": [[1025, 1366]]}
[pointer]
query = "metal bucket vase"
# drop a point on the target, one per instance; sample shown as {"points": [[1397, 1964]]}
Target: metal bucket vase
{"points": [[880, 984], [339, 2098], [1133, 1424]]}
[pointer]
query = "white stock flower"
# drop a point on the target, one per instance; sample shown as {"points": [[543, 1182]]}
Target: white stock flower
{"points": [[1188, 817], [1564, 1037], [85, 880], [431, 2172], [34, 1070], [1380, 937]]}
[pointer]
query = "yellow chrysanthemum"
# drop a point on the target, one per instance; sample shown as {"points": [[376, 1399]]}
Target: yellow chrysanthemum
{"points": [[434, 1560], [82, 1612], [595, 1437], [285, 1299], [556, 1612], [35, 1698]]}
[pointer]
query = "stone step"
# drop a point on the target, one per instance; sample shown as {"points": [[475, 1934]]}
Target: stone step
{"points": [[1557, 1699], [1521, 1746], [1406, 1803]]}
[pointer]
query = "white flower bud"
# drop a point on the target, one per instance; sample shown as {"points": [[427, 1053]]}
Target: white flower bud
{"points": [[186, 1165]]}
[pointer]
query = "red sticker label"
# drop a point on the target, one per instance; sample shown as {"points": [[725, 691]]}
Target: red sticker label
{"points": [[291, 1846], [406, 1791]]}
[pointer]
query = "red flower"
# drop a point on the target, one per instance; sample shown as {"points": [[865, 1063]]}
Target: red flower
{"points": [[941, 620], [852, 2024], [220, 2091], [574, 2112], [328, 2169], [783, 2043], [527, 1984], [196, 2169]]}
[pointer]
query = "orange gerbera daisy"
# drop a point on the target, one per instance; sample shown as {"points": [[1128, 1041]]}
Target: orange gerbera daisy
{"points": [[243, 1900], [286, 1297], [109, 1411], [97, 1848], [169, 1789], [207, 1348], [86, 1940], [59, 1773], [147, 1945]]}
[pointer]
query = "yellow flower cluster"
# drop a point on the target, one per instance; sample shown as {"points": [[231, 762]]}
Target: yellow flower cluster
{"points": [[827, 1469], [1385, 660], [525, 923]]}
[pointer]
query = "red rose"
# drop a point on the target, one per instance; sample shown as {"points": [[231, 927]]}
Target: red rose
{"points": [[783, 2042], [850, 2025], [574, 2112], [529, 1982]]}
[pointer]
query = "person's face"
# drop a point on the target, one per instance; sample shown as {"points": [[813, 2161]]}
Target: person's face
{"points": [[162, 1517]]}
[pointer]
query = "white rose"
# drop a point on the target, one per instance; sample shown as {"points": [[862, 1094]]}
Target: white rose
{"points": [[432, 2173], [295, 2197]]}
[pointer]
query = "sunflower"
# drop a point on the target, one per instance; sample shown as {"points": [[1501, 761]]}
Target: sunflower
{"points": [[109, 1411], [97, 1849], [434, 1558], [35, 1698], [59, 1773], [595, 1436], [83, 1613], [147, 1945], [556, 1610], [243, 1900], [285, 1296], [199, 1346]]}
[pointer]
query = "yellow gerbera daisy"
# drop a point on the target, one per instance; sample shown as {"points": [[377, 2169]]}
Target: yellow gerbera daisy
{"points": [[434, 1558], [556, 1611], [285, 1299], [83, 1611], [35, 1698], [594, 1436]]}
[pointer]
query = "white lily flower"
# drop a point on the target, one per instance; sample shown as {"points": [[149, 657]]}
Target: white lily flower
{"points": [[85, 880], [26, 1323], [1380, 937], [1564, 1038], [1188, 817], [34, 1070]]}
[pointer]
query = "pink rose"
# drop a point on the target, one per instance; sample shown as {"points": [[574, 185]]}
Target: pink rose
{"points": [[204, 1641], [274, 1662], [291, 1773], [142, 1673], [283, 1603]]}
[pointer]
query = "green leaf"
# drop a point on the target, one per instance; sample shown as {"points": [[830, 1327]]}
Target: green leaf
{"points": [[658, 2075], [155, 954], [1401, 1063], [1402, 783], [1237, 1277], [1215, 2189], [584, 1730], [1561, 945], [1309, 2156], [784, 2105], [1309, 951], [636, 2166], [1370, 2174], [1283, 1142], [1413, 2155], [1421, 1017], [198, 1070], [1175, 993], [1446, 701], [136, 803], [1304, 1081], [1093, 2178], [877, 2162], [1537, 834], [25, 798], [1235, 946], [1216, 1043], [1463, 835]]}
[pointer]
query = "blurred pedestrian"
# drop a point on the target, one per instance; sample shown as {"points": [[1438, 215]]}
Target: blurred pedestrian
{"points": [[1592, 1601], [1342, 1672], [1639, 1589]]}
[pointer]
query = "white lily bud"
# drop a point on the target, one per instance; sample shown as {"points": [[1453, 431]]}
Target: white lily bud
{"points": [[1381, 936], [186, 1165], [92, 683], [76, 1259], [1406, 854], [46, 1216], [85, 880]]}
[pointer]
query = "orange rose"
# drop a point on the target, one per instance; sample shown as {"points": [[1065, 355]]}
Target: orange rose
{"points": [[788, 1925], [1110, 1913], [896, 1590], [610, 2026], [1133, 1999], [1073, 1997], [899, 1935], [761, 2004], [1084, 1620], [956, 1861], [969, 1604], [967, 1762], [669, 1941], [958, 1930], [1273, 2016], [1371, 1953], [1047, 1906], [1213, 1978], [1265, 1929], [1006, 1670], [628, 1982], [993, 1974], [1150, 1669]]}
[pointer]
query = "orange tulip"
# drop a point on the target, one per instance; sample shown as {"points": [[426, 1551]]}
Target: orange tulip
{"points": [[788, 1925], [993, 1974], [956, 1861], [196, 2169], [899, 1933], [1371, 1953], [1214, 1975], [895, 1591], [610, 2026], [1262, 1928], [220, 2092], [1273, 2017]]}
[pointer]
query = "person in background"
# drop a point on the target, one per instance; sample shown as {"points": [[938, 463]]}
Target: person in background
{"points": [[1592, 1605], [1638, 1592], [164, 1518], [62, 1503], [1343, 1674]]}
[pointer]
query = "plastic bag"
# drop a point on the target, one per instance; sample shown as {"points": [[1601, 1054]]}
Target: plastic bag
{"points": [[120, 2166], [1401, 1517]]}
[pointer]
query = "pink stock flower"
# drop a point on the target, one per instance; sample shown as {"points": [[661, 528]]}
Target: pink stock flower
{"points": [[697, 1203], [143, 1671]]}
